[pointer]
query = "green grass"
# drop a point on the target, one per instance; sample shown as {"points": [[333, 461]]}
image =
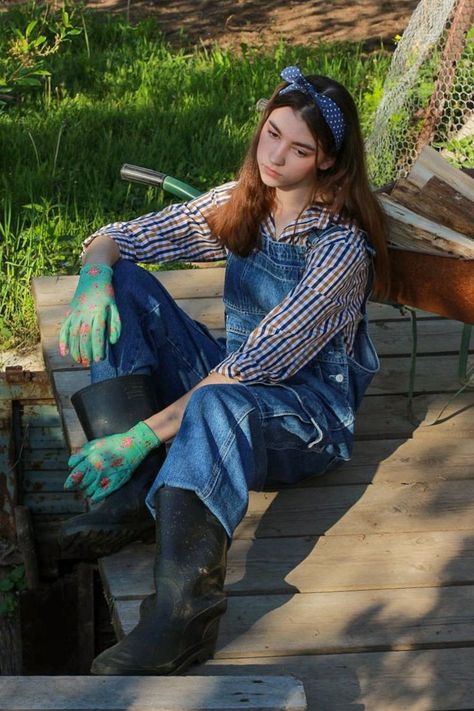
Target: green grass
{"points": [[116, 94]]}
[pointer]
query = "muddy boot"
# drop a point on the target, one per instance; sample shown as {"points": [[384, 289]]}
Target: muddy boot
{"points": [[179, 623], [106, 408]]}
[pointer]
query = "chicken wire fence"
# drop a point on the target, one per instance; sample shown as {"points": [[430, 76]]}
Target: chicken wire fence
{"points": [[428, 96]]}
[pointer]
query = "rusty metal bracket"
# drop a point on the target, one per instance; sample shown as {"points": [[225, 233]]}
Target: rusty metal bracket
{"points": [[14, 374]]}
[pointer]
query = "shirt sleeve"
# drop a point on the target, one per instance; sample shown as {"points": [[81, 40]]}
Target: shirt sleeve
{"points": [[329, 295], [178, 233]]}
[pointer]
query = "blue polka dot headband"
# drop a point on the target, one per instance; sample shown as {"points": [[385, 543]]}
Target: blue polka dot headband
{"points": [[331, 112]]}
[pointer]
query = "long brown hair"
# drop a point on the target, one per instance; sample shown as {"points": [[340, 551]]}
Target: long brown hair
{"points": [[345, 185]]}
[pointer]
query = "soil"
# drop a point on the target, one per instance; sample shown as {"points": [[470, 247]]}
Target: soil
{"points": [[263, 23], [259, 23]]}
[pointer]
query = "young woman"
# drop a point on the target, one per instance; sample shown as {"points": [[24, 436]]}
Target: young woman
{"points": [[275, 402]]}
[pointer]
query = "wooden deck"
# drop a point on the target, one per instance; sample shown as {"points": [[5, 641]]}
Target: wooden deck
{"points": [[361, 582]]}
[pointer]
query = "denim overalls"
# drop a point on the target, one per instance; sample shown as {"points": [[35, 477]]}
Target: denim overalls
{"points": [[238, 437]]}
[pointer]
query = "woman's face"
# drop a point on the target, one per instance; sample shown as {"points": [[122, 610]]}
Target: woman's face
{"points": [[286, 152]]}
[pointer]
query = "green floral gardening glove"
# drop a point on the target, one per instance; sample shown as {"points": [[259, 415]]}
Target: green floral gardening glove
{"points": [[104, 465], [92, 309]]}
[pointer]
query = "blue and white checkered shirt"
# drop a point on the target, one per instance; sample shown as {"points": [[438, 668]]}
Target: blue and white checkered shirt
{"points": [[326, 301]]}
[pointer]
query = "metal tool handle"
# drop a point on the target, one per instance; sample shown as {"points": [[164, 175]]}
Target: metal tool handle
{"points": [[146, 176], [136, 174]]}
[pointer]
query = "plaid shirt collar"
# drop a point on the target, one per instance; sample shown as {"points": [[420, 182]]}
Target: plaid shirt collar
{"points": [[313, 217]]}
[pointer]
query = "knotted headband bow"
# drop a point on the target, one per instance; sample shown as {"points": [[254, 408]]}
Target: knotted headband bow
{"points": [[331, 112]]}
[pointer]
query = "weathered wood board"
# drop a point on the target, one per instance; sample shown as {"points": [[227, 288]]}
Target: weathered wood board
{"points": [[316, 564], [421, 680], [336, 622], [151, 693]]}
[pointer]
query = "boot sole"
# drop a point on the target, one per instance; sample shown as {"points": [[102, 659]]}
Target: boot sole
{"points": [[95, 542], [198, 655]]}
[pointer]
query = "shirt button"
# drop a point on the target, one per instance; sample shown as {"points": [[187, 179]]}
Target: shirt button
{"points": [[339, 378]]}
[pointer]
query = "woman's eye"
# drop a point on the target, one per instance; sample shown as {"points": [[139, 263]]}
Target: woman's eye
{"points": [[273, 134], [301, 153]]}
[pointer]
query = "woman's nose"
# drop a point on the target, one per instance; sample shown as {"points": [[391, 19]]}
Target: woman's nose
{"points": [[277, 155]]}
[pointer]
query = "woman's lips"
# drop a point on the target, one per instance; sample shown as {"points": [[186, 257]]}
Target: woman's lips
{"points": [[272, 173]]}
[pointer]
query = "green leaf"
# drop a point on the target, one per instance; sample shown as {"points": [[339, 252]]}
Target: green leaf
{"points": [[39, 41], [28, 81], [31, 26]]}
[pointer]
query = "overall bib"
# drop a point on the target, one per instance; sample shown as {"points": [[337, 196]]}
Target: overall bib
{"points": [[239, 437]]}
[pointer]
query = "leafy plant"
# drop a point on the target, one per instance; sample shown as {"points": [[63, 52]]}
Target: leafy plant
{"points": [[11, 584], [23, 66]]}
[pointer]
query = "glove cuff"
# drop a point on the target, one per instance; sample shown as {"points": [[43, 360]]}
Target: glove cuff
{"points": [[145, 437], [94, 270]]}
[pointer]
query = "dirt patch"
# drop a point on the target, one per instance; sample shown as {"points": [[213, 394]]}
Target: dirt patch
{"points": [[262, 24], [31, 360]]}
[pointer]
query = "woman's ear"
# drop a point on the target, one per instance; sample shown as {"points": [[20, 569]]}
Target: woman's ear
{"points": [[327, 163]]}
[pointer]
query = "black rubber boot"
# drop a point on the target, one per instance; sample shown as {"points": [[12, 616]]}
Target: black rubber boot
{"points": [[179, 623], [106, 408]]}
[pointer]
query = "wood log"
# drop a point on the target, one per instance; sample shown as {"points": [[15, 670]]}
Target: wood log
{"points": [[431, 163], [437, 201], [408, 230]]}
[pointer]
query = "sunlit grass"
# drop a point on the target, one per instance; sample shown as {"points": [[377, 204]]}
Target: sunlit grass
{"points": [[119, 94]]}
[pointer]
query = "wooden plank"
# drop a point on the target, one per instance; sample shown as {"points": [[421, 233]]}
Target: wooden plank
{"points": [[358, 510], [44, 437], [194, 283], [387, 417], [423, 458], [374, 461], [434, 336], [439, 202], [208, 310], [343, 510], [44, 481], [41, 415], [198, 283], [150, 693], [436, 373], [422, 680], [430, 162], [383, 417], [67, 382], [409, 230], [45, 459], [390, 338], [336, 622], [312, 564], [55, 503]]}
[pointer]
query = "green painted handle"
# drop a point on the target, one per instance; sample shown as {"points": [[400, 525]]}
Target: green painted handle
{"points": [[137, 174], [180, 189]]}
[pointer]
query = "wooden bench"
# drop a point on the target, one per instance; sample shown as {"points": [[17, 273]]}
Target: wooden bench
{"points": [[361, 582]]}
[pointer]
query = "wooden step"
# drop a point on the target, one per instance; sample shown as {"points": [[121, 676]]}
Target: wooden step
{"points": [[421, 680], [315, 564], [151, 693], [335, 622]]}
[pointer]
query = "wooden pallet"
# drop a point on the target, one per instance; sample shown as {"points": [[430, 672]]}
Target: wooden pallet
{"points": [[361, 582]]}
